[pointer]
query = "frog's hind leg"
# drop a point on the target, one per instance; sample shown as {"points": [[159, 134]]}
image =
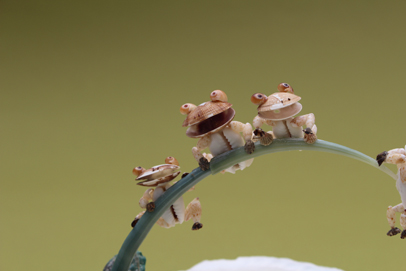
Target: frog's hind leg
{"points": [[246, 130], [395, 156], [391, 216], [311, 129], [264, 138], [403, 224], [203, 143], [194, 212], [208, 156]]}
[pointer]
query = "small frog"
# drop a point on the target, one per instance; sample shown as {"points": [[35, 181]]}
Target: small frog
{"points": [[212, 123], [278, 110], [159, 177], [397, 157]]}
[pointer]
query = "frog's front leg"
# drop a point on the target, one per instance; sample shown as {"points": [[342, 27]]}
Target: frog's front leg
{"points": [[161, 222], [145, 200], [265, 138], [395, 156], [194, 212], [246, 131], [391, 216], [202, 144], [208, 156], [136, 219], [311, 129]]}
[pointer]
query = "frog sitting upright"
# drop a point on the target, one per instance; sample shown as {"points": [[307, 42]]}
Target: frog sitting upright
{"points": [[213, 123], [278, 110]]}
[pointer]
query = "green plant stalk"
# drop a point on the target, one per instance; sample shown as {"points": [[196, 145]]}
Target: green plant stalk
{"points": [[217, 164]]}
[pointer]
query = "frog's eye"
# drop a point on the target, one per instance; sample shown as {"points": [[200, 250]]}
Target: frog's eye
{"points": [[258, 98], [187, 108], [171, 160], [137, 171], [218, 96], [285, 87]]}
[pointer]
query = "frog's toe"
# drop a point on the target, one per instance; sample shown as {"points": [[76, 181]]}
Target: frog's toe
{"points": [[204, 164], [394, 231]]}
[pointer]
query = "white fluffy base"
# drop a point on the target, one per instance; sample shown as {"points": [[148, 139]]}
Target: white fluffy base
{"points": [[258, 263]]}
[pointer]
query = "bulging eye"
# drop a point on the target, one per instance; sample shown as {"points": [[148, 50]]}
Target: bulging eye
{"points": [[218, 96], [258, 98], [285, 87], [186, 108], [138, 170], [171, 160]]}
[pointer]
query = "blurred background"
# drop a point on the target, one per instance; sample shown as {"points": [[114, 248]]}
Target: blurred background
{"points": [[91, 89]]}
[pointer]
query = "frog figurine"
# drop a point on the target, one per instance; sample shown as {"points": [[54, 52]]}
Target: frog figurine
{"points": [[278, 110], [212, 122]]}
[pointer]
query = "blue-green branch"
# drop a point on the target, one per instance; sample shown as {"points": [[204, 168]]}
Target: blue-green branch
{"points": [[217, 164]]}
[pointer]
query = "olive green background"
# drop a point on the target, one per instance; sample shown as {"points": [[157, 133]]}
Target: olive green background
{"points": [[90, 89]]}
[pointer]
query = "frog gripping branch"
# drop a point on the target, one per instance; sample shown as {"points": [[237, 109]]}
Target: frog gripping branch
{"points": [[278, 110], [212, 122], [233, 142], [159, 177]]}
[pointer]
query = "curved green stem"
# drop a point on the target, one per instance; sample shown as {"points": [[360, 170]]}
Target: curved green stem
{"points": [[217, 164]]}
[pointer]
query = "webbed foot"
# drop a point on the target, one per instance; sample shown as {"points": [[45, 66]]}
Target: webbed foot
{"points": [[197, 226], [309, 136], [184, 175], [204, 164], [151, 206], [134, 222], [264, 138], [380, 158], [249, 147], [403, 235], [394, 231]]}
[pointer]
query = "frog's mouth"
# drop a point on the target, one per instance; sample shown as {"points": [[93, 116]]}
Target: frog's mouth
{"points": [[282, 113], [158, 181], [211, 125]]}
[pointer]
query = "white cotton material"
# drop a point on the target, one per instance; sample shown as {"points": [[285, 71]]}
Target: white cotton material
{"points": [[258, 263]]}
